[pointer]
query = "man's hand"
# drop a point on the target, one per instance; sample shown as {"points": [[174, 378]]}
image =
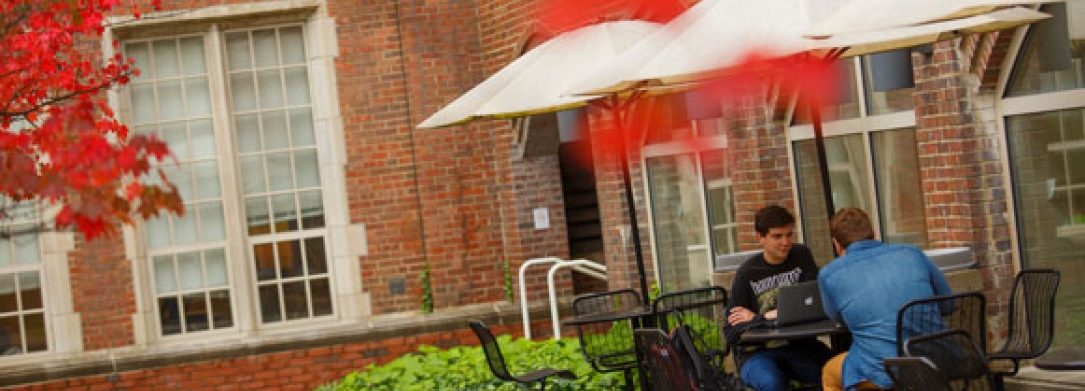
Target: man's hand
{"points": [[740, 315], [770, 314]]}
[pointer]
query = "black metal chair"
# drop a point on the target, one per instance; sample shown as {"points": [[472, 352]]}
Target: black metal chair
{"points": [[958, 356], [497, 361], [915, 374], [1031, 317], [609, 346], [961, 311], [704, 311], [667, 368]]}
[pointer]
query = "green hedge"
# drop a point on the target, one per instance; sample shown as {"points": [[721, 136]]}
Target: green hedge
{"points": [[464, 369]]}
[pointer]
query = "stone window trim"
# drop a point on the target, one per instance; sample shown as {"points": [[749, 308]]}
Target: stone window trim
{"points": [[345, 241]]}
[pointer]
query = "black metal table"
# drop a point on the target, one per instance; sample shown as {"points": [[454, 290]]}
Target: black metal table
{"points": [[1063, 359], [838, 333], [636, 316]]}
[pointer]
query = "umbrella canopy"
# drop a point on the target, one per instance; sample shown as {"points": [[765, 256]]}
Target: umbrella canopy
{"points": [[865, 15], [535, 83], [874, 41], [717, 34], [711, 35]]}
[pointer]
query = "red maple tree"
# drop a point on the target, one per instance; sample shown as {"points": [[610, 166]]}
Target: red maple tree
{"points": [[61, 144]]}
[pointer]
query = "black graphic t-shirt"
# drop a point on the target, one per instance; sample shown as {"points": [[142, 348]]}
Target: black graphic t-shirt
{"points": [[757, 282]]}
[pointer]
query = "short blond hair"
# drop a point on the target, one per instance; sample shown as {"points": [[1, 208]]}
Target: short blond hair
{"points": [[850, 225]]}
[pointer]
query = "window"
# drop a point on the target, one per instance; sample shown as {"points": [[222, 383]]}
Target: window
{"points": [[872, 160], [693, 216], [1044, 106], [23, 314], [241, 126]]}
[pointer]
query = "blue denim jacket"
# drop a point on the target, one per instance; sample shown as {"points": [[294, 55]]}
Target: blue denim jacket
{"points": [[864, 289]]}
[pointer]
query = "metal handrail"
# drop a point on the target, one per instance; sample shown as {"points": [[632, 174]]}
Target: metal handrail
{"points": [[581, 265]]}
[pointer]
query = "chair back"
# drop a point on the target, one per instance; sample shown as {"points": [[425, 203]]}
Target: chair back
{"points": [[704, 311], [1032, 314], [706, 374], [962, 311], [608, 346], [665, 366], [915, 374], [494, 357], [957, 355]]}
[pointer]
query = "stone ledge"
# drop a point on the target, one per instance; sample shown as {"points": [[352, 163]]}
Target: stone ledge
{"points": [[1032, 379], [134, 358]]}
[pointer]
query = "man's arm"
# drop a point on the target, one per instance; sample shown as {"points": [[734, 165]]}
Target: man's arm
{"points": [[827, 301]]}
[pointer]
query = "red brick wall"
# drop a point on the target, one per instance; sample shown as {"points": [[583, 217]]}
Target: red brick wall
{"points": [[303, 369], [102, 293]]}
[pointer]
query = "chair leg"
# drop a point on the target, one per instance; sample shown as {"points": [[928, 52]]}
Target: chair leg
{"points": [[629, 379]]}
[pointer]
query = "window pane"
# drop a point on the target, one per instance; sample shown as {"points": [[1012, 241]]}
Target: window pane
{"points": [[884, 102], [293, 45], [721, 211], [157, 231], [248, 133], [1034, 73], [11, 339], [322, 297], [30, 290], [269, 304], [264, 257], [192, 56], [297, 303], [212, 221], [142, 103], [308, 168], [280, 172], [207, 180], [203, 139], [5, 253], [1050, 210], [301, 127], [271, 89], [171, 103], [223, 315], [252, 174], [290, 259], [169, 315], [312, 209], [285, 213], [848, 173], [166, 63], [8, 302], [142, 54], [900, 192], [191, 273], [265, 48], [275, 134], [297, 86], [196, 318], [199, 97], [184, 229], [315, 257], [35, 333], [237, 51], [258, 216], [675, 186], [217, 275], [176, 137], [27, 248], [243, 91], [846, 105]]}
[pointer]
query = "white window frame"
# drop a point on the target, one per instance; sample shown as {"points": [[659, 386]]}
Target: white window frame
{"points": [[345, 242], [865, 124], [1006, 107], [674, 148], [64, 331]]}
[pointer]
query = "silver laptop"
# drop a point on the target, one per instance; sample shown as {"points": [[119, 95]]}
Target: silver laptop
{"points": [[799, 303]]}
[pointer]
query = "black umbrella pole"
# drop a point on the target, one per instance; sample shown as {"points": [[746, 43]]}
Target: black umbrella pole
{"points": [[634, 229], [823, 162]]}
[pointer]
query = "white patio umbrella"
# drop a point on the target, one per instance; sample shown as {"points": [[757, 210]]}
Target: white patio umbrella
{"points": [[535, 83], [865, 15], [715, 35]]}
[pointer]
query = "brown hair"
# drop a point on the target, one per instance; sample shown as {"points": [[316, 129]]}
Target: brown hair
{"points": [[772, 216], [850, 225]]}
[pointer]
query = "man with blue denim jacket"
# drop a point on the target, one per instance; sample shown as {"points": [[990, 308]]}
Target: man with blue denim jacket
{"points": [[863, 289]]}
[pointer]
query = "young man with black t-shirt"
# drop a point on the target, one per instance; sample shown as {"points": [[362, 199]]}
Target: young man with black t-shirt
{"points": [[771, 367]]}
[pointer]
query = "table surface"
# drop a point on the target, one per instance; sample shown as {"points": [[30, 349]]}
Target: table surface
{"points": [[632, 313], [1063, 359], [799, 331]]}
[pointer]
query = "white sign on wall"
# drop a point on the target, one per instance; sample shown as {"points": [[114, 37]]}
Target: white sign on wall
{"points": [[542, 218]]}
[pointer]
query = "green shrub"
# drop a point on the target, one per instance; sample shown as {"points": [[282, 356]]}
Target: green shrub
{"points": [[464, 369]]}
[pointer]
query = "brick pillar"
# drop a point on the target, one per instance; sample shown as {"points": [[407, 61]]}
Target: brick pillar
{"points": [[960, 165], [762, 173]]}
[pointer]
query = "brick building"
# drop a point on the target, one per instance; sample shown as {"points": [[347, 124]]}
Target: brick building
{"points": [[315, 206]]}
